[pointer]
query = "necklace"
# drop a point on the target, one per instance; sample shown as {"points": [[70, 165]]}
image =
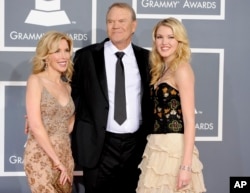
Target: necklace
{"points": [[162, 75]]}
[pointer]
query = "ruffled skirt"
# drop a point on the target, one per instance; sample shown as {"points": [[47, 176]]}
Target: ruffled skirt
{"points": [[160, 166]]}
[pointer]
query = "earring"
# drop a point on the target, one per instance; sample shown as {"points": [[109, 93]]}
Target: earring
{"points": [[45, 65]]}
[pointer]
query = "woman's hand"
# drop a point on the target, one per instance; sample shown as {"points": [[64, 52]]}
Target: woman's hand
{"points": [[183, 179], [64, 177]]}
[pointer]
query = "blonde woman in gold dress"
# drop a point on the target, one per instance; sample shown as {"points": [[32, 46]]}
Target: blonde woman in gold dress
{"points": [[48, 161]]}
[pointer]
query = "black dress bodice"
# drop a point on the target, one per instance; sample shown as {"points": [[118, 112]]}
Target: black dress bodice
{"points": [[167, 109]]}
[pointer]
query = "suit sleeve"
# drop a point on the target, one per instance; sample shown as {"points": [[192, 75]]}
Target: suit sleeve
{"points": [[77, 79]]}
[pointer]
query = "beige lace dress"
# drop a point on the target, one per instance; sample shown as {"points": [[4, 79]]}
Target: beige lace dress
{"points": [[37, 165]]}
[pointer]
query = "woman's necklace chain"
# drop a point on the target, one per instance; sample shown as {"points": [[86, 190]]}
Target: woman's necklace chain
{"points": [[162, 75]]}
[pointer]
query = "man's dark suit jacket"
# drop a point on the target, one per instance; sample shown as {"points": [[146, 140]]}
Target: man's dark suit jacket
{"points": [[90, 94]]}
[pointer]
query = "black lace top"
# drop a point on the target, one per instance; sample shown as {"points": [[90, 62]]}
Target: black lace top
{"points": [[167, 109]]}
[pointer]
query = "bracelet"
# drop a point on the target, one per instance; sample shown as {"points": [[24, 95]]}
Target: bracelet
{"points": [[186, 168], [56, 165]]}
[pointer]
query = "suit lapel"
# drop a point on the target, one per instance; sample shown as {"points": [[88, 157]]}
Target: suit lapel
{"points": [[99, 63]]}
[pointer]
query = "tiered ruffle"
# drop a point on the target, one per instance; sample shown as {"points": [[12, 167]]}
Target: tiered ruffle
{"points": [[160, 165]]}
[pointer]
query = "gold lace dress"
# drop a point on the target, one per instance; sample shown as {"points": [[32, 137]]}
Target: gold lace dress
{"points": [[37, 165]]}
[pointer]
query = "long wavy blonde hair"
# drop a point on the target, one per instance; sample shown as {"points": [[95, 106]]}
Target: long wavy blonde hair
{"points": [[182, 54], [48, 44]]}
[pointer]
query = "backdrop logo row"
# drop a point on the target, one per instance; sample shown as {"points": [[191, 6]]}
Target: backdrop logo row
{"points": [[29, 23]]}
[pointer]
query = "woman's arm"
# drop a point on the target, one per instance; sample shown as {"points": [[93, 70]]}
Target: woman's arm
{"points": [[185, 81], [72, 118], [71, 123]]}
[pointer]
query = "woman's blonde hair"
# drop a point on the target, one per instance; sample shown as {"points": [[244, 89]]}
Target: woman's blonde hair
{"points": [[48, 44], [182, 54]]}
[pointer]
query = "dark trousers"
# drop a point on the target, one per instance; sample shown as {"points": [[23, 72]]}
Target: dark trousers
{"points": [[118, 170]]}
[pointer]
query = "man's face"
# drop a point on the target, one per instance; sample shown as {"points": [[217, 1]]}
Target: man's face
{"points": [[120, 27]]}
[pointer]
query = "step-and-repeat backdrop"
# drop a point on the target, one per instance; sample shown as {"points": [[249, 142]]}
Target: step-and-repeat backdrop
{"points": [[219, 35]]}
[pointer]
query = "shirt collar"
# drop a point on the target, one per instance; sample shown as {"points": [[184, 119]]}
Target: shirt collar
{"points": [[114, 49]]}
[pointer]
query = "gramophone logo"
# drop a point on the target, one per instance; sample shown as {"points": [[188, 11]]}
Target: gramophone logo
{"points": [[47, 13]]}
